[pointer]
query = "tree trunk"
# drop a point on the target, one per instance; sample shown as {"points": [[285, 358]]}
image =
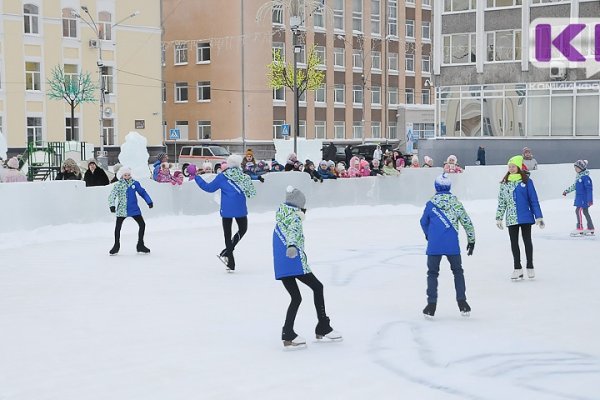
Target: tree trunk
{"points": [[73, 121]]}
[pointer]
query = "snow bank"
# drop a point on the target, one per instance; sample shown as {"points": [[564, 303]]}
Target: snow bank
{"points": [[25, 205]]}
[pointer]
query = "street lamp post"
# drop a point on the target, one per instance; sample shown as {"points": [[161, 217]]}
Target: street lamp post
{"points": [[295, 23]]}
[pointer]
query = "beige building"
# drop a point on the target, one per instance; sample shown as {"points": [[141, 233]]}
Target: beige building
{"points": [[38, 35], [376, 58]]}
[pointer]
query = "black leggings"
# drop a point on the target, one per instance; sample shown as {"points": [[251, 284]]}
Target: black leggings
{"points": [[141, 225], [585, 211], [513, 232], [291, 286], [230, 243]]}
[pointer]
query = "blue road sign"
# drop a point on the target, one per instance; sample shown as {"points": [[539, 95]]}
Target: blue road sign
{"points": [[174, 134], [285, 129]]}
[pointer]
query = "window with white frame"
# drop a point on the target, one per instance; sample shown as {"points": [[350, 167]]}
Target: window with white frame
{"points": [[376, 95], [279, 94], [410, 96], [410, 62], [278, 129], [339, 129], [411, 2], [31, 19], [71, 72], [302, 97], [423, 131], [338, 14], [302, 128], [425, 97], [504, 45], [357, 130], [163, 54], [376, 60], [376, 17], [183, 129], [34, 130], [375, 129], [320, 130], [426, 64], [181, 54], [549, 1], [393, 17], [318, 19], [181, 92], [108, 132], [459, 5], [339, 57], [164, 92], [204, 91], [357, 61], [357, 11], [277, 15], [393, 130], [204, 130], [426, 30], [320, 51], [339, 93], [393, 61], [320, 94], [505, 3], [107, 79], [426, 3], [69, 23], [410, 28], [203, 53], [302, 55], [32, 76], [459, 48], [392, 96], [104, 25], [278, 48], [357, 94], [72, 131]]}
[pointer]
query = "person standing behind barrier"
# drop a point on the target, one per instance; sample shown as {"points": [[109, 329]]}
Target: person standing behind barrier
{"points": [[377, 154], [480, 156], [235, 187], [330, 152], [348, 153], [69, 171], [12, 173], [388, 168], [530, 162], [518, 202], [161, 158], [95, 176]]}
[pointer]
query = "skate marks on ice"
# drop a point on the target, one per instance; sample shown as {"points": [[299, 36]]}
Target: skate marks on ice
{"points": [[566, 236], [350, 263], [401, 348]]}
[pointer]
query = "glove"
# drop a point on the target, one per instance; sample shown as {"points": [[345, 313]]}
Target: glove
{"points": [[540, 222], [470, 248], [591, 203], [426, 238], [192, 170], [565, 193], [112, 209], [291, 252], [499, 224], [150, 205]]}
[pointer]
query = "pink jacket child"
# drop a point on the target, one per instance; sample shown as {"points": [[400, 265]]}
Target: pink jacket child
{"points": [[12, 174], [340, 171], [164, 174], [451, 166], [177, 178], [364, 168], [354, 168]]}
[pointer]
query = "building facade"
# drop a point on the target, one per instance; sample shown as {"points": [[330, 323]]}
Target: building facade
{"points": [[123, 46], [487, 87], [375, 54]]}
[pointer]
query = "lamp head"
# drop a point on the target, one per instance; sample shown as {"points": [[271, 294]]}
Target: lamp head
{"points": [[84, 8]]}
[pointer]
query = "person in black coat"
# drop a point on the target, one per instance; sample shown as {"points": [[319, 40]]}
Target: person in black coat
{"points": [[330, 152], [69, 171], [348, 152], [95, 176], [481, 155]]}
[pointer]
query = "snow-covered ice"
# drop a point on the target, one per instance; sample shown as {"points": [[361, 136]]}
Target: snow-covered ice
{"points": [[78, 324]]}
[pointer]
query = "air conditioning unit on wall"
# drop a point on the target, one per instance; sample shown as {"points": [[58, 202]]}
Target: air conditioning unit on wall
{"points": [[93, 43], [558, 72]]}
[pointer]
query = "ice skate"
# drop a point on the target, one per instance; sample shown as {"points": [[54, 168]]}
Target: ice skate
{"points": [[588, 232], [142, 249], [530, 273], [297, 343], [517, 275], [324, 332], [225, 260], [333, 336], [465, 309], [429, 311], [578, 233], [115, 249]]}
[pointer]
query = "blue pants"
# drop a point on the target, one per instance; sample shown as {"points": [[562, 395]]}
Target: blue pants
{"points": [[433, 271]]}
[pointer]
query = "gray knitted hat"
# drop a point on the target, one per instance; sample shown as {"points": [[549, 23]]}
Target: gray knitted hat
{"points": [[295, 197], [581, 164]]}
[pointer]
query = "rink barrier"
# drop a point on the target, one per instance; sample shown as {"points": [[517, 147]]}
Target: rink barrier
{"points": [[35, 204]]}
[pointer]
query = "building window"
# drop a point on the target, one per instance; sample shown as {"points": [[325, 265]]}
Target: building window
{"points": [[426, 3], [302, 55], [302, 97], [460, 5], [69, 23], [278, 48], [302, 128], [357, 15], [338, 14], [393, 17], [339, 94], [71, 132], [376, 95], [410, 62], [108, 131], [426, 30], [31, 19], [203, 53], [277, 15], [339, 129], [376, 60], [357, 61], [392, 96], [319, 20], [71, 74], [423, 131], [320, 52], [32, 76], [181, 54], [410, 96], [164, 92], [509, 3], [503, 46], [34, 130], [107, 79], [357, 94], [278, 129], [393, 130], [425, 97], [183, 129], [393, 61], [425, 64], [181, 92], [204, 91], [204, 130], [410, 28], [339, 54], [459, 48], [104, 25], [357, 130], [279, 94], [376, 129], [320, 94], [163, 54], [376, 17], [320, 130]]}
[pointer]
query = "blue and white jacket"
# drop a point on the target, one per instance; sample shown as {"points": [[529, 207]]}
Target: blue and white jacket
{"points": [[235, 186], [583, 188], [519, 202], [156, 169], [440, 223], [124, 193], [288, 232]]}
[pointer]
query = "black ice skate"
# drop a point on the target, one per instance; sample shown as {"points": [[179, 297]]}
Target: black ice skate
{"points": [[465, 309], [142, 249], [115, 249], [429, 311], [227, 260]]}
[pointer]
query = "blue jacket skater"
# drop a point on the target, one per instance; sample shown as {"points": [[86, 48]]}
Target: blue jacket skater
{"points": [[519, 202], [156, 169], [235, 187], [583, 189], [124, 192], [288, 232]]}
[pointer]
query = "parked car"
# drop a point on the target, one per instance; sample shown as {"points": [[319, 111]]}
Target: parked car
{"points": [[198, 155]]}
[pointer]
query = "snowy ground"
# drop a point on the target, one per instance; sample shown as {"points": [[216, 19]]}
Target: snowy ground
{"points": [[78, 324]]}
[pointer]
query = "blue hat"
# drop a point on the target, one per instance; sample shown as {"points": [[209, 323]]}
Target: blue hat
{"points": [[442, 183]]}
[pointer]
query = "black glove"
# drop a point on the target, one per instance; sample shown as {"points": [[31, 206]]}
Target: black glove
{"points": [[261, 179], [426, 238], [150, 205], [470, 248], [112, 209]]}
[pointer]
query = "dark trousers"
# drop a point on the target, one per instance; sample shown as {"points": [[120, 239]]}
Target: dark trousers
{"points": [[141, 230], [433, 271], [513, 232], [581, 212], [291, 286], [231, 242]]}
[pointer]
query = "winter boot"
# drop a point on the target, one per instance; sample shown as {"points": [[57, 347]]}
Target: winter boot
{"points": [[517, 275], [429, 311], [530, 273], [465, 309], [142, 249], [115, 249]]}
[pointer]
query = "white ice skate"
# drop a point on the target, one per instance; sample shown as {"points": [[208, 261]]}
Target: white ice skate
{"points": [[298, 343], [530, 273], [517, 275], [588, 232], [577, 233], [333, 336]]}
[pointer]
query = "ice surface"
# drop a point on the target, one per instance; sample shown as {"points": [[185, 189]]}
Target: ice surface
{"points": [[134, 155]]}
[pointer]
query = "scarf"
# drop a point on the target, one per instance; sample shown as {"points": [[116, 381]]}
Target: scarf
{"points": [[241, 180], [514, 177]]}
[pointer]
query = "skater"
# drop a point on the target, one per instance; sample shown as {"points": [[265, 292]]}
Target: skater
{"points": [[519, 202], [124, 192], [291, 265], [440, 223], [583, 198], [235, 187]]}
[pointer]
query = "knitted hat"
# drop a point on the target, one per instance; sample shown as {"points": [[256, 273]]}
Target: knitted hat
{"points": [[427, 159], [442, 183], [234, 161], [375, 162], [192, 169], [451, 157], [295, 197], [13, 163], [160, 156], [516, 160], [581, 164], [207, 166], [330, 163], [125, 170], [526, 149], [249, 152]]}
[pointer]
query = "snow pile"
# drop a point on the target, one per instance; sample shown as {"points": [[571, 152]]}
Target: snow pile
{"points": [[134, 154]]}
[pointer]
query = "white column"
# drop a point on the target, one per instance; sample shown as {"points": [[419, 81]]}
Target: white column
{"points": [[525, 16], [437, 51], [480, 35]]}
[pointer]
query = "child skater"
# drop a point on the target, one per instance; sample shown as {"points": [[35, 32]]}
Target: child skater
{"points": [[440, 223], [583, 198], [291, 264], [124, 192], [235, 187]]}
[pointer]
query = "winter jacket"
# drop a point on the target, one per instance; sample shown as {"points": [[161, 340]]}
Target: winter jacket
{"points": [[10, 175], [288, 232], [452, 168], [390, 171], [67, 176], [96, 178], [583, 189], [124, 192], [163, 176], [530, 164], [156, 169], [440, 223], [325, 174], [376, 171], [519, 202], [235, 187], [481, 156]]}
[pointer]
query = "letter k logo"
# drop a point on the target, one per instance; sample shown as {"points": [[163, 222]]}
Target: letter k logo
{"points": [[544, 42]]}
